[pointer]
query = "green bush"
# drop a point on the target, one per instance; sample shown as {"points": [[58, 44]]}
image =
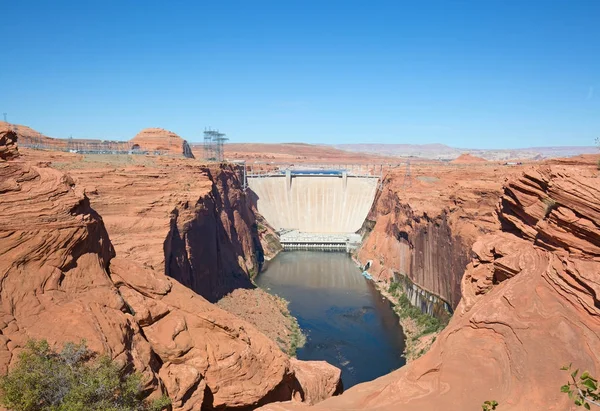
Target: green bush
{"points": [[489, 405], [427, 323], [73, 379], [584, 390]]}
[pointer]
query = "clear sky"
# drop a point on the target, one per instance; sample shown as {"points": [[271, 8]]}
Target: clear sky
{"points": [[472, 74]]}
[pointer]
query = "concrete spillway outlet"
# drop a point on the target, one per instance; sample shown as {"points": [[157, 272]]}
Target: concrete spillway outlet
{"points": [[315, 204]]}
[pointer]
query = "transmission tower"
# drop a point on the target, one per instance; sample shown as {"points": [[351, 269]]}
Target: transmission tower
{"points": [[5, 117], [209, 150], [220, 139], [213, 145]]}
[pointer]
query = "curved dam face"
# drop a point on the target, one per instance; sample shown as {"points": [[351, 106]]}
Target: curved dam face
{"points": [[315, 203]]}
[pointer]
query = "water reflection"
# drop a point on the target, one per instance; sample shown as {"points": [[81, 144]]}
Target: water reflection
{"points": [[346, 321]]}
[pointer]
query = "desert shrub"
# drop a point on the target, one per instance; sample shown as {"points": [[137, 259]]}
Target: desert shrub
{"points": [[394, 288], [427, 323], [74, 379], [489, 405], [550, 205]]}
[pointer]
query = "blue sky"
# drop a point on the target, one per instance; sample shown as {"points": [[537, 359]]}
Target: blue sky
{"points": [[474, 74]]}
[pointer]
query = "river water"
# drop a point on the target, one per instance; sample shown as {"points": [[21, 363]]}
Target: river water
{"points": [[346, 321]]}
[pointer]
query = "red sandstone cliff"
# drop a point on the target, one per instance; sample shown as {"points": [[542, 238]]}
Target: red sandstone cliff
{"points": [[529, 306], [424, 230], [62, 282], [158, 139]]}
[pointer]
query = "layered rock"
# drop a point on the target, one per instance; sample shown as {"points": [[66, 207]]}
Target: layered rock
{"points": [[158, 139], [62, 282], [151, 207], [213, 245], [530, 305], [54, 256], [555, 210], [8, 143], [423, 228]]}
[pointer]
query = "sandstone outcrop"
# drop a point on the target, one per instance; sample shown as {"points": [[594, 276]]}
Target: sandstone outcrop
{"points": [[151, 206], [8, 143], [62, 282], [466, 158], [185, 220], [422, 229], [158, 139], [27, 135], [530, 305]]}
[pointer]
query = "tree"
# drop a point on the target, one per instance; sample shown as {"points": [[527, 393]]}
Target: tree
{"points": [[74, 379]]}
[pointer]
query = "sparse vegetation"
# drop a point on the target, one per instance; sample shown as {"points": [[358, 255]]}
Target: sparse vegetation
{"points": [[489, 405], [583, 390], [416, 324], [296, 338], [74, 379], [427, 323], [550, 205]]}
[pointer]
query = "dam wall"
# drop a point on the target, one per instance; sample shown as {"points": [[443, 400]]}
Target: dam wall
{"points": [[314, 203]]}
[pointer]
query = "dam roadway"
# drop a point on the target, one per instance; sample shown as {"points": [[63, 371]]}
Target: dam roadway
{"points": [[314, 201]]}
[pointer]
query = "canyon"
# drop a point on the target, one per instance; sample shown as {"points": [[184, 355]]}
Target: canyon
{"points": [[528, 301], [131, 252], [64, 280]]}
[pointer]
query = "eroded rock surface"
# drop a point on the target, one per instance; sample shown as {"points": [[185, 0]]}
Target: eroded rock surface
{"points": [[423, 226], [8, 143], [158, 139]]}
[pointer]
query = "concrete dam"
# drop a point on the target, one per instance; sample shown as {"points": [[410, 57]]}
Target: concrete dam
{"points": [[328, 205]]}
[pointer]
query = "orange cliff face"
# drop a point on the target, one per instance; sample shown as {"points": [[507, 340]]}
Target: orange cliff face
{"points": [[529, 306], [158, 139], [62, 282], [422, 227], [189, 221]]}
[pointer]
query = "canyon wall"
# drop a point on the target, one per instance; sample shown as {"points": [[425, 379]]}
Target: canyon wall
{"points": [[187, 220], [424, 231], [529, 306], [159, 139], [213, 245], [63, 280]]}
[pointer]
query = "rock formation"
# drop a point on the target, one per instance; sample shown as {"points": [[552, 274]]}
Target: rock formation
{"points": [[466, 158], [424, 231], [62, 282], [529, 306], [8, 143], [158, 139], [27, 135]]}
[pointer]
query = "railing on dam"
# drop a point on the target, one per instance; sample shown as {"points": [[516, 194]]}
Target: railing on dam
{"points": [[306, 169], [296, 240]]}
